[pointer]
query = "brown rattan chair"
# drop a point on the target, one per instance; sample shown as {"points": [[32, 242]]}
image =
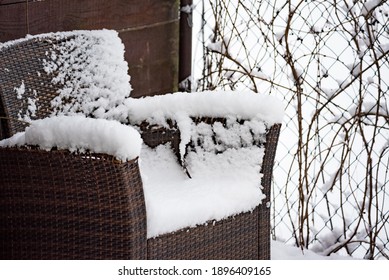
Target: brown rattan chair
{"points": [[60, 205], [57, 204]]}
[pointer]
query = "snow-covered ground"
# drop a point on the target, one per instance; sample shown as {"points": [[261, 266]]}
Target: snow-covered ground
{"points": [[281, 251], [229, 27]]}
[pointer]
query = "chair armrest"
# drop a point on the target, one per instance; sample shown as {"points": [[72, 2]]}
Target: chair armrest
{"points": [[268, 159], [60, 205]]}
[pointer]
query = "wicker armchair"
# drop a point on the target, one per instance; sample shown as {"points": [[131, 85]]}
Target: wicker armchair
{"points": [[56, 204], [61, 205]]}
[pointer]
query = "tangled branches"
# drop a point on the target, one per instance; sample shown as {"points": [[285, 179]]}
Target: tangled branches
{"points": [[329, 61]]}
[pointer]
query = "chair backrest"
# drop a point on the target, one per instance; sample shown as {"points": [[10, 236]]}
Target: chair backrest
{"points": [[23, 78], [81, 72]]}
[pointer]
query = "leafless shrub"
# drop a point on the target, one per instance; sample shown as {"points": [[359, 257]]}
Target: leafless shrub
{"points": [[328, 60]]}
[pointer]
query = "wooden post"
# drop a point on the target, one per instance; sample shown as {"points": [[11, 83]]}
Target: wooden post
{"points": [[185, 57], [149, 30]]}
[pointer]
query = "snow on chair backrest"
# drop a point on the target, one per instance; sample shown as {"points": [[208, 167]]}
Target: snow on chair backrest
{"points": [[63, 73]]}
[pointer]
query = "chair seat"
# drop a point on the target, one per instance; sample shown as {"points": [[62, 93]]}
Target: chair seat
{"points": [[222, 185]]}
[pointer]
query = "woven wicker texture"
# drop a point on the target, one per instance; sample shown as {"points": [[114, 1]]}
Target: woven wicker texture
{"points": [[23, 63], [57, 205], [267, 171], [234, 238]]}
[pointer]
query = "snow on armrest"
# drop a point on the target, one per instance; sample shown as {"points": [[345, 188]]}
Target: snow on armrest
{"points": [[182, 107], [78, 134], [214, 104]]}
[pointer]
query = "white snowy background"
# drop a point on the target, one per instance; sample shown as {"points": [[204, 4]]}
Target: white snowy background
{"points": [[333, 55]]}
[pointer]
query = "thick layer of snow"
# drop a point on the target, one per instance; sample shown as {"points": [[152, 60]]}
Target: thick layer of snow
{"points": [[222, 185], [92, 71], [79, 134], [244, 105], [181, 106]]}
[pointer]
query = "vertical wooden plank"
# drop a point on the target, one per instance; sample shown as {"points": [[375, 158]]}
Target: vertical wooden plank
{"points": [[152, 55], [13, 21], [185, 46]]}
